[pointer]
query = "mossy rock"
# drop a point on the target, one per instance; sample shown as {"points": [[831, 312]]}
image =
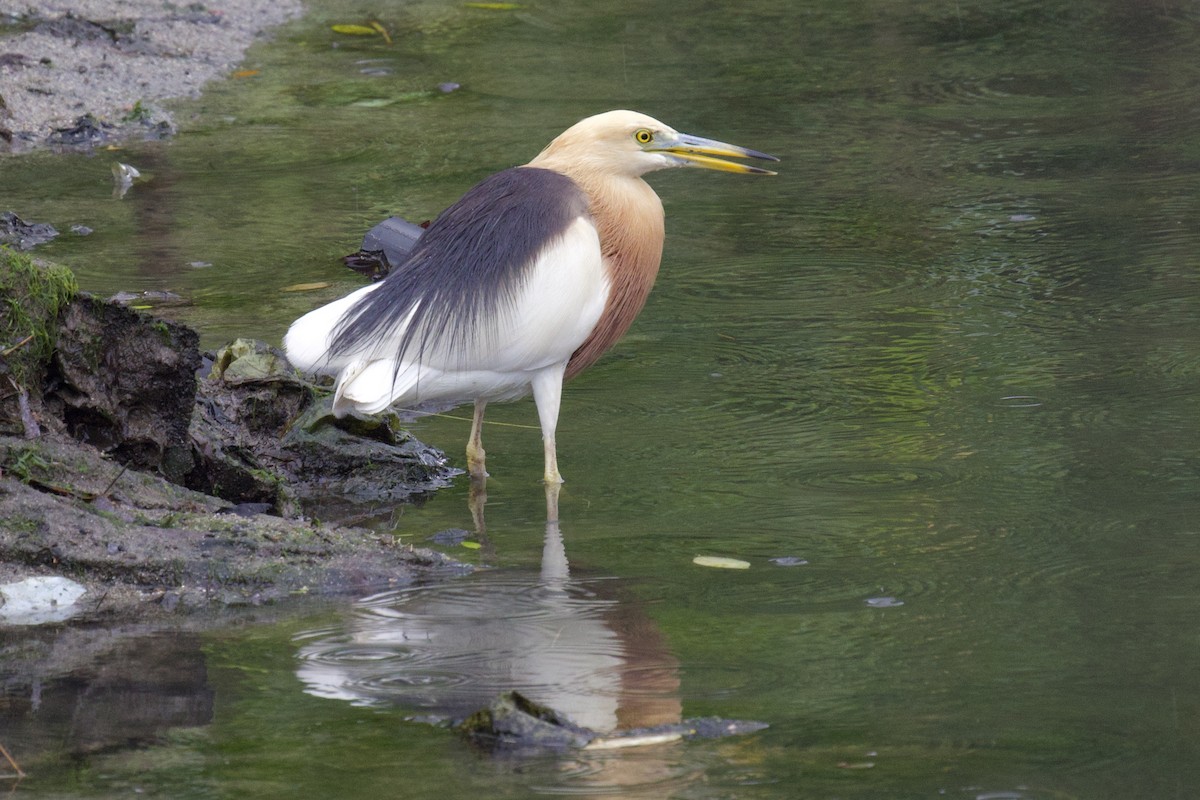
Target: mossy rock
{"points": [[264, 434], [32, 297]]}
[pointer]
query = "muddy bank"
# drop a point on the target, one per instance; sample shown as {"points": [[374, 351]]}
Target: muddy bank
{"points": [[115, 61], [155, 474], [138, 541]]}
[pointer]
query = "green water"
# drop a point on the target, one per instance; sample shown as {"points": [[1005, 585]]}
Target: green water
{"points": [[949, 356]]}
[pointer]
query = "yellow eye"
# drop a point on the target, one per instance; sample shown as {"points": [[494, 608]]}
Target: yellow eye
{"points": [[643, 136]]}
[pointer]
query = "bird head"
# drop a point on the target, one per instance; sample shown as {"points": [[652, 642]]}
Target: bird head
{"points": [[632, 144]]}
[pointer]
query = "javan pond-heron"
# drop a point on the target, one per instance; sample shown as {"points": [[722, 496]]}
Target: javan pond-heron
{"points": [[521, 284]]}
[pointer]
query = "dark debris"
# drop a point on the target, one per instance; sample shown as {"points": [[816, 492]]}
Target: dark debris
{"points": [[24, 235]]}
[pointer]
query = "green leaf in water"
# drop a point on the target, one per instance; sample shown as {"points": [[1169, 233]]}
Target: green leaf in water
{"points": [[355, 30], [472, 545], [720, 562]]}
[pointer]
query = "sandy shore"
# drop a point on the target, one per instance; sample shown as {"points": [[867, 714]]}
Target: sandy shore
{"points": [[61, 59]]}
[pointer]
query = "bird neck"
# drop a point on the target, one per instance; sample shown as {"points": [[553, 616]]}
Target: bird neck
{"points": [[629, 220]]}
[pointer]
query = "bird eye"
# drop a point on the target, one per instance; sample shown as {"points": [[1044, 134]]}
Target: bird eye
{"points": [[643, 136]]}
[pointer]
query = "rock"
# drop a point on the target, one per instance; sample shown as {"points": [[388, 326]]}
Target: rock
{"points": [[358, 459], [109, 426], [384, 246], [126, 384], [80, 30], [24, 235], [251, 431], [86, 131], [514, 722], [163, 541], [40, 599], [262, 434], [450, 537], [152, 299]]}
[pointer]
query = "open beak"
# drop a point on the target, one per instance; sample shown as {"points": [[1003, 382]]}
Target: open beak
{"points": [[693, 151]]}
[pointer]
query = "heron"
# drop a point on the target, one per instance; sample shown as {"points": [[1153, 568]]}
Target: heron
{"points": [[518, 286]]}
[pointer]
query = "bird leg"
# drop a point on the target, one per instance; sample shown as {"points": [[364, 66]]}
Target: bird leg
{"points": [[475, 455], [551, 475], [547, 393]]}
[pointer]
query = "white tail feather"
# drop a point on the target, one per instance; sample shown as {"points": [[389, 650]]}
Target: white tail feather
{"points": [[307, 340]]}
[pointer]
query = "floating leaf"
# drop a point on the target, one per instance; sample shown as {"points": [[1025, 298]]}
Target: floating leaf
{"points": [[306, 287], [494, 6], [639, 740], [472, 545], [355, 30], [720, 562], [245, 73], [373, 102]]}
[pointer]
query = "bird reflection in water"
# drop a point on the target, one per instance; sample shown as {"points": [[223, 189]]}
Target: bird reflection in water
{"points": [[443, 651], [448, 649]]}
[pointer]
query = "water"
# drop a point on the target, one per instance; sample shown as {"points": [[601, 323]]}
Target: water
{"points": [[949, 357]]}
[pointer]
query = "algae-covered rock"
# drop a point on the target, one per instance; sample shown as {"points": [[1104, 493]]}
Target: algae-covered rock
{"points": [[261, 433], [356, 460], [31, 299], [252, 431], [514, 721]]}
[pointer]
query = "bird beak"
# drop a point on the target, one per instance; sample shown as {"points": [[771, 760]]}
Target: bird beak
{"points": [[693, 151]]}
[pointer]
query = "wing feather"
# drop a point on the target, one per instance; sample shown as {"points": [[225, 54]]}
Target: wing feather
{"points": [[550, 315], [506, 282]]}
